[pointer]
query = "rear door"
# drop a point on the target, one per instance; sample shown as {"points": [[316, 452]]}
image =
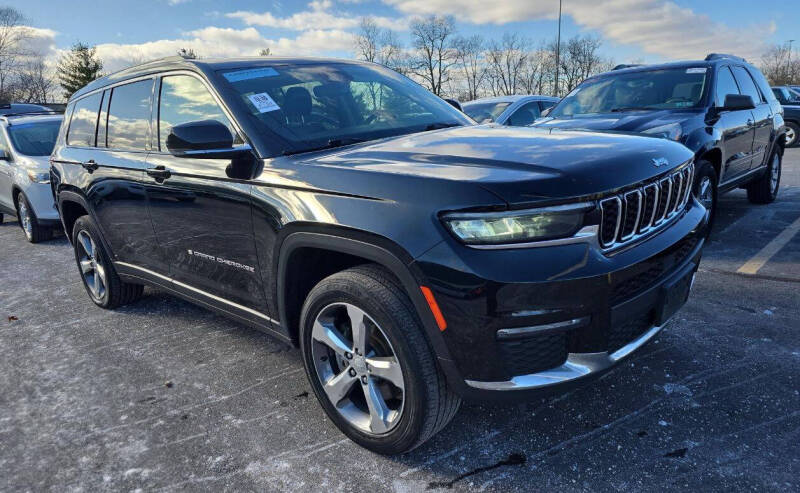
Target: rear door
{"points": [[201, 216], [736, 128], [762, 116], [105, 156]]}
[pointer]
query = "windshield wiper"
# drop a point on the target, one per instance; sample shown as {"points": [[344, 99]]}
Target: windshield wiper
{"points": [[332, 143], [439, 125], [632, 108]]}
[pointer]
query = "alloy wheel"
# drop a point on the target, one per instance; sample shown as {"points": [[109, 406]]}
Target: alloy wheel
{"points": [[25, 218], [706, 193], [357, 368], [775, 174], [93, 272], [791, 135]]}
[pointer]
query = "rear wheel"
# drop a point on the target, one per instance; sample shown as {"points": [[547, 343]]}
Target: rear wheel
{"points": [[99, 277], [34, 233], [369, 363], [765, 189], [792, 134]]}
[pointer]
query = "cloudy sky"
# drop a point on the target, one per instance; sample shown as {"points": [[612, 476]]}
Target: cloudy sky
{"points": [[649, 30]]}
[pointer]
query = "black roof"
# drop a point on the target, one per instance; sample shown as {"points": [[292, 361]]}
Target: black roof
{"points": [[205, 65], [710, 60]]}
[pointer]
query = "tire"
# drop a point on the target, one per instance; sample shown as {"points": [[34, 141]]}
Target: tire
{"points": [[34, 233], [794, 133], [94, 264], [1, 218], [705, 189], [764, 190], [427, 404]]}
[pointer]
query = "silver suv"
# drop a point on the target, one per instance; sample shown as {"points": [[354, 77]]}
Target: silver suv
{"points": [[26, 141]]}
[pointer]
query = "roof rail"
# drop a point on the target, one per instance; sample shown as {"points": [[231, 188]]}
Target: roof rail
{"points": [[626, 65], [31, 113], [718, 56]]}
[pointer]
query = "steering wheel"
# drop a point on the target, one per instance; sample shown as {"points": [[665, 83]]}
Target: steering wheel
{"points": [[678, 100]]}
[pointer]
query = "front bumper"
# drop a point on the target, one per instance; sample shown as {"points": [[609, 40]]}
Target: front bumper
{"points": [[508, 336]]}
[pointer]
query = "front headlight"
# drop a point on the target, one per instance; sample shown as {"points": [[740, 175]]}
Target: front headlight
{"points": [[39, 176], [671, 131], [495, 228]]}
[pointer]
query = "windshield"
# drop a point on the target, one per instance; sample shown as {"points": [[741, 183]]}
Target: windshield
{"points": [[313, 106], [485, 112], [648, 90], [34, 139]]}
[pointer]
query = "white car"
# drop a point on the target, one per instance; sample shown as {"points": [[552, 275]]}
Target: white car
{"points": [[517, 111], [26, 141]]}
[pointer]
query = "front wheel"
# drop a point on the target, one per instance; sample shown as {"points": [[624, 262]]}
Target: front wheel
{"points": [[705, 189], [370, 364], [99, 277], [765, 189], [34, 233]]}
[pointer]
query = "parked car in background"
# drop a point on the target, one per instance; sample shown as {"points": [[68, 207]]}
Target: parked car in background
{"points": [[413, 256], [790, 100], [19, 108], [721, 108], [26, 141], [517, 111]]}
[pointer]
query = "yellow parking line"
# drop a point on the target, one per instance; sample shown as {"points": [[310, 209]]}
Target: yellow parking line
{"points": [[762, 257]]}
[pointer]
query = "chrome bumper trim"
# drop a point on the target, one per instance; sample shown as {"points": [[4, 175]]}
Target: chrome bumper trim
{"points": [[578, 365]]}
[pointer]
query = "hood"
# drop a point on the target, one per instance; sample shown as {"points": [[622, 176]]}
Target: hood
{"points": [[519, 164], [629, 121], [37, 163]]}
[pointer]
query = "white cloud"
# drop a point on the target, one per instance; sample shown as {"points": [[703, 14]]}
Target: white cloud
{"points": [[659, 27], [211, 42], [317, 17]]}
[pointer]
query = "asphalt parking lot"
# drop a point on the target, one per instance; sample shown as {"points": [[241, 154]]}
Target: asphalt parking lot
{"points": [[166, 395]]}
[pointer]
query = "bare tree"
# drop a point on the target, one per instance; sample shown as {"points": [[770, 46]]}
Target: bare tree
{"points": [[12, 36], [580, 58], [187, 53], [780, 66], [506, 60], [377, 45], [265, 52], [35, 82], [536, 73], [434, 55], [470, 60]]}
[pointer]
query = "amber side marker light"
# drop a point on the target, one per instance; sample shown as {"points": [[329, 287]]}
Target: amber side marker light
{"points": [[437, 314]]}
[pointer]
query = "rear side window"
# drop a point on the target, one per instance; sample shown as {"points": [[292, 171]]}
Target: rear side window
{"points": [[129, 116], [185, 99], [762, 83], [525, 115], [725, 85], [746, 84], [83, 126]]}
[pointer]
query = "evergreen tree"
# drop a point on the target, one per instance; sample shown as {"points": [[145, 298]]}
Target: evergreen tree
{"points": [[78, 67]]}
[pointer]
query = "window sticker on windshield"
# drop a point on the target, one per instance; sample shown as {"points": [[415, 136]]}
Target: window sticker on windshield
{"points": [[263, 102], [251, 73], [696, 70]]}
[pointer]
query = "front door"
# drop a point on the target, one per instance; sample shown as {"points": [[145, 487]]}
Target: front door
{"points": [[6, 176], [736, 127], [201, 216]]}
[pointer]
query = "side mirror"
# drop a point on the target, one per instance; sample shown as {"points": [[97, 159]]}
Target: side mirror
{"points": [[736, 102], [546, 111], [455, 104], [4, 155], [203, 139]]}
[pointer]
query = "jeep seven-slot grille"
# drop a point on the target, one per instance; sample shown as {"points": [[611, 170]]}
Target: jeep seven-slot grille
{"points": [[633, 213]]}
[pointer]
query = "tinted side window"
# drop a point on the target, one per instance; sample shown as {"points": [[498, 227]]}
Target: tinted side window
{"points": [[725, 85], [185, 99], [525, 115], [129, 116], [762, 83], [746, 84], [83, 126], [546, 104]]}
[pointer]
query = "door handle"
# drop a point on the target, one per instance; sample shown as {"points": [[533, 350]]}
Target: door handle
{"points": [[90, 165], [160, 173]]}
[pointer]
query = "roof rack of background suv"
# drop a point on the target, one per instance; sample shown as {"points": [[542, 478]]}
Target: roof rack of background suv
{"points": [[29, 113], [717, 56], [626, 65]]}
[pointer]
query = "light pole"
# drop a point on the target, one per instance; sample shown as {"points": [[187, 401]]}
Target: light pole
{"points": [[558, 48], [789, 63]]}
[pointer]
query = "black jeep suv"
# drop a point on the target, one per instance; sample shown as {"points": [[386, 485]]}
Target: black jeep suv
{"points": [[414, 257], [721, 108]]}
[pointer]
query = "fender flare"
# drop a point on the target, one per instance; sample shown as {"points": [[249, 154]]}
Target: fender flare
{"points": [[71, 196], [385, 256]]}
